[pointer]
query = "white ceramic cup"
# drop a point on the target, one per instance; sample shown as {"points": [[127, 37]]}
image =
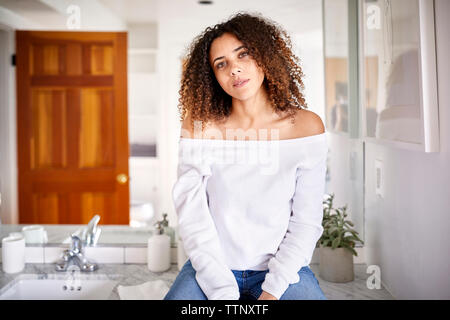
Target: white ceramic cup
{"points": [[34, 234], [13, 253]]}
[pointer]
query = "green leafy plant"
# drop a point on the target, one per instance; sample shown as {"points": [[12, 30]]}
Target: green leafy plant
{"points": [[337, 231]]}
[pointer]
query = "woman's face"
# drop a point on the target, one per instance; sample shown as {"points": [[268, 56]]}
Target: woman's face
{"points": [[236, 71]]}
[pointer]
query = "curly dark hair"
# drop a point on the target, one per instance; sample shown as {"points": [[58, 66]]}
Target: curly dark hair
{"points": [[202, 97]]}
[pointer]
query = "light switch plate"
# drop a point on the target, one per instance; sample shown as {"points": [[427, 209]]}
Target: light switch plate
{"points": [[379, 178]]}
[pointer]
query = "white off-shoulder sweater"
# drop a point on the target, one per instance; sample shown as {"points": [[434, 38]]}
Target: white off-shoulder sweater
{"points": [[250, 205]]}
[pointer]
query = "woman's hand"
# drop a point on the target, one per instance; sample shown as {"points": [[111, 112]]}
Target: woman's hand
{"points": [[266, 296]]}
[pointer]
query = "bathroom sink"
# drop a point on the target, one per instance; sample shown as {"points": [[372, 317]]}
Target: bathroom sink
{"points": [[31, 287]]}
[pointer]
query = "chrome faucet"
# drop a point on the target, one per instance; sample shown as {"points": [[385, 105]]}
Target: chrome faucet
{"points": [[92, 232], [75, 256]]}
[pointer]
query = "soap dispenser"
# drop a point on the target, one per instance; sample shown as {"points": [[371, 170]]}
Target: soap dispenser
{"points": [[158, 250], [168, 230]]}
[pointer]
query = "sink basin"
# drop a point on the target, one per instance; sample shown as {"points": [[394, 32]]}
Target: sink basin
{"points": [[31, 287]]}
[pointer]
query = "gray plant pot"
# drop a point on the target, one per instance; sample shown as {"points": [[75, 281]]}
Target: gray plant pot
{"points": [[336, 265]]}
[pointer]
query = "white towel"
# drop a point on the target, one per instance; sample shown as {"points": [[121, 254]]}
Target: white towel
{"points": [[150, 290]]}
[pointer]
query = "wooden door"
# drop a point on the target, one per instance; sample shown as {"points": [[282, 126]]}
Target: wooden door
{"points": [[72, 127]]}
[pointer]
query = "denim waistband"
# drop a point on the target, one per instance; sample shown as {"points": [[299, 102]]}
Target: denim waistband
{"points": [[248, 273]]}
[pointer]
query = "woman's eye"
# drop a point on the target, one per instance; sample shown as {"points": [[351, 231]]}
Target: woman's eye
{"points": [[243, 54], [219, 65]]}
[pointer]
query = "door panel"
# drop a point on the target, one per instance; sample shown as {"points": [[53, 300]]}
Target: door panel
{"points": [[46, 207], [95, 202], [97, 136], [101, 59], [48, 138], [45, 59], [72, 127]]}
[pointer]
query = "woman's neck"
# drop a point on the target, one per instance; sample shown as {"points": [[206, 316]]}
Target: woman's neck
{"points": [[253, 111]]}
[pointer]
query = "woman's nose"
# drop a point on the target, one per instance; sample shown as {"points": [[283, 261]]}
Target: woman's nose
{"points": [[235, 69]]}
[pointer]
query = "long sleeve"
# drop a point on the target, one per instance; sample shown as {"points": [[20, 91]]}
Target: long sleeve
{"points": [[198, 232], [304, 228]]}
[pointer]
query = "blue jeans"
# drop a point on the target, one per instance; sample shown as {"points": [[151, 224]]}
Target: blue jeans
{"points": [[185, 286]]}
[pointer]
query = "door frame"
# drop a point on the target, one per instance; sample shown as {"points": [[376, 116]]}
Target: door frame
{"points": [[8, 129]]}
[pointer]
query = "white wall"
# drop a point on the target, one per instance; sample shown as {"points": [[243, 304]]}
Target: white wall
{"points": [[143, 117], [408, 231], [308, 46]]}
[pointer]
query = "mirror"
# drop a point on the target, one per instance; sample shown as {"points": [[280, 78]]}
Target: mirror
{"points": [[158, 35], [400, 90], [336, 65], [345, 173]]}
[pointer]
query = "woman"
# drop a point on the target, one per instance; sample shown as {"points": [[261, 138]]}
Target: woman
{"points": [[249, 228]]}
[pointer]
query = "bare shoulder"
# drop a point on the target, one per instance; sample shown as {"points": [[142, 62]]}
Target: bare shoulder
{"points": [[307, 123]]}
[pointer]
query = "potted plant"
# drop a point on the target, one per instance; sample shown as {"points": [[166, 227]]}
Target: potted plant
{"points": [[337, 243]]}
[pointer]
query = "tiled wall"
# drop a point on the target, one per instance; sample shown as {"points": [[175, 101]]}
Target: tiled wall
{"points": [[135, 255]]}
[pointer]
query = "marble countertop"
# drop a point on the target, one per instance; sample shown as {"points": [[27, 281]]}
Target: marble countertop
{"points": [[125, 274], [136, 274]]}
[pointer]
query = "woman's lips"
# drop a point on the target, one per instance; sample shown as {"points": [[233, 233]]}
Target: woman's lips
{"points": [[240, 83]]}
